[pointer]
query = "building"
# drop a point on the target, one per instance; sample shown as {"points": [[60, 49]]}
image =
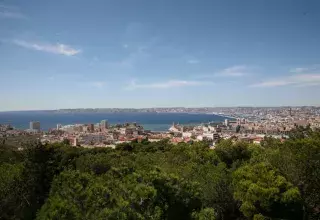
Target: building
{"points": [[200, 137], [175, 128], [213, 129], [187, 134], [216, 136], [127, 131], [226, 122], [205, 129], [211, 136], [68, 128], [91, 128], [78, 128], [75, 142], [104, 125], [85, 128], [59, 126], [5, 127], [35, 125]]}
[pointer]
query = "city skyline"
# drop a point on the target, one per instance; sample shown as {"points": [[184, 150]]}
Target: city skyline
{"points": [[160, 109], [142, 54]]}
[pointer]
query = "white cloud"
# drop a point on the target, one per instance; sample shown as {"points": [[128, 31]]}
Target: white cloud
{"points": [[11, 12], [49, 48], [97, 84], [300, 80], [13, 15], [235, 71], [315, 68], [271, 83], [125, 46], [91, 84], [231, 72], [193, 61], [299, 69], [167, 84]]}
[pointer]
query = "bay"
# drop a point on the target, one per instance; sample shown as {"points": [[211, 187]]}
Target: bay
{"points": [[150, 121]]}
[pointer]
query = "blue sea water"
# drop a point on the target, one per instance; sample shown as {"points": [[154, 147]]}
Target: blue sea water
{"points": [[150, 121]]}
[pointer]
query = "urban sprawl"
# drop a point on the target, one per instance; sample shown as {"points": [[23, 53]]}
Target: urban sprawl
{"points": [[243, 123]]}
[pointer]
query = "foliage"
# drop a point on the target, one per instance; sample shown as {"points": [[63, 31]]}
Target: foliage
{"points": [[260, 189], [11, 175], [159, 180], [238, 128], [205, 214], [299, 161], [233, 154]]}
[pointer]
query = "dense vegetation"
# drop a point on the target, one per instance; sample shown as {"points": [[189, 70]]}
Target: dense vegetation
{"points": [[159, 180]]}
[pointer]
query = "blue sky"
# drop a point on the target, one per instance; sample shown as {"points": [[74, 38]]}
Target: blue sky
{"points": [[134, 53]]}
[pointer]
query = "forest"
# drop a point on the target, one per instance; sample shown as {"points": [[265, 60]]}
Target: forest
{"points": [[159, 180]]}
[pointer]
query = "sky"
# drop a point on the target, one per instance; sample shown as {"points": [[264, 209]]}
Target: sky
{"points": [[158, 53]]}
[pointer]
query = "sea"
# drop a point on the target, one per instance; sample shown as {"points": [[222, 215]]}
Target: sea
{"points": [[150, 121]]}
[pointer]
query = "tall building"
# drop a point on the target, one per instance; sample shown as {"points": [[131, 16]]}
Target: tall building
{"points": [[75, 142], [35, 125], [226, 122], [290, 112], [59, 126], [104, 125], [91, 127]]}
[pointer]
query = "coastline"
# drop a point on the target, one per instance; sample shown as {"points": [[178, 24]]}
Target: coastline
{"points": [[149, 120], [223, 115]]}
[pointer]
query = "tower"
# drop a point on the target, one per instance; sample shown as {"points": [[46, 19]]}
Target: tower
{"points": [[104, 125], [75, 141], [290, 112]]}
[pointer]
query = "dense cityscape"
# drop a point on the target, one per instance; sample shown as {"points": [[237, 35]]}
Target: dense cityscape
{"points": [[246, 124]]}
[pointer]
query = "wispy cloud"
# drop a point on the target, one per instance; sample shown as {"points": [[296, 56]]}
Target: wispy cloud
{"points": [[230, 72], [139, 55], [13, 15], [306, 69], [235, 71], [299, 80], [125, 46], [91, 84], [193, 61], [11, 12], [271, 83], [97, 84], [299, 69], [166, 84], [49, 48]]}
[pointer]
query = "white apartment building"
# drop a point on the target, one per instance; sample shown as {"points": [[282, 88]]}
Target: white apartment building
{"points": [[35, 125]]}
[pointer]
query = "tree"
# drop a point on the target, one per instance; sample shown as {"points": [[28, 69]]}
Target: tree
{"points": [[12, 201], [233, 153], [159, 180], [300, 132], [238, 129], [66, 141], [77, 195], [205, 214], [262, 190], [299, 161]]}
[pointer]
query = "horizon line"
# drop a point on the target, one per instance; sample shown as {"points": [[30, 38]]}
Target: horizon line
{"points": [[238, 106]]}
